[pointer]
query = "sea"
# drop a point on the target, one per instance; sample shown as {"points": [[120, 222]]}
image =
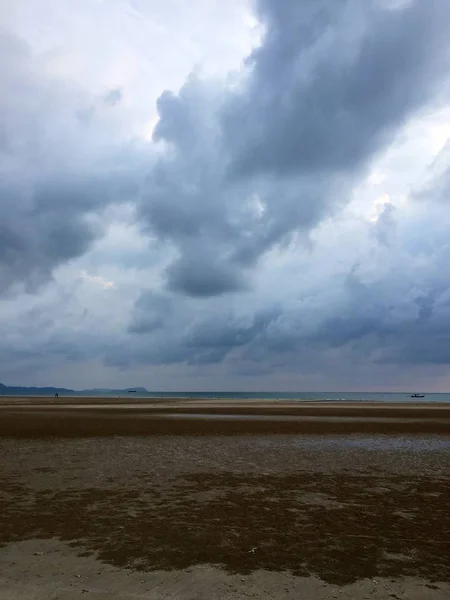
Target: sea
{"points": [[310, 396]]}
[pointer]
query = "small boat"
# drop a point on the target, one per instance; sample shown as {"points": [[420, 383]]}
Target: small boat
{"points": [[131, 391], [417, 396]]}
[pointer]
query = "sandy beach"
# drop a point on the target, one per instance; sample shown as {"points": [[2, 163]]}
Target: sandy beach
{"points": [[80, 416], [223, 499]]}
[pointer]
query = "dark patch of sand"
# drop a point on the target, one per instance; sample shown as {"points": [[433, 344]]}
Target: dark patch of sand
{"points": [[338, 509]]}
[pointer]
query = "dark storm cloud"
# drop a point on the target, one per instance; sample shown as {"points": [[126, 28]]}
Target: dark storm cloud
{"points": [[152, 312], [331, 81], [261, 166], [202, 277], [219, 229], [390, 307], [54, 171], [327, 87], [247, 170], [395, 330], [174, 329]]}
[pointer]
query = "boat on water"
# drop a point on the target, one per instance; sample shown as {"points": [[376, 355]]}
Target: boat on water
{"points": [[417, 396]]}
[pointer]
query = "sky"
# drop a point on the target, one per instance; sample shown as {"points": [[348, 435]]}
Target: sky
{"points": [[241, 195]]}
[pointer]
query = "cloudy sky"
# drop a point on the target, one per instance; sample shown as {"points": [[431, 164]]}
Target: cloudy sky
{"points": [[228, 195]]}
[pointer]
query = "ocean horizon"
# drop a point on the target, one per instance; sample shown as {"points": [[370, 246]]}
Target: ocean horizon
{"points": [[303, 396]]}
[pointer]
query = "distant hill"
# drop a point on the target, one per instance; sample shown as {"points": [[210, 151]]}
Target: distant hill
{"points": [[15, 390]]}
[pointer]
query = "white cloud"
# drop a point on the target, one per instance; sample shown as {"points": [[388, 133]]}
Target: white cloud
{"points": [[378, 206], [97, 280]]}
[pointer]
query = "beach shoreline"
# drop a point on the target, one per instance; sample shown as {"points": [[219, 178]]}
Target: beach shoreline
{"points": [[82, 416]]}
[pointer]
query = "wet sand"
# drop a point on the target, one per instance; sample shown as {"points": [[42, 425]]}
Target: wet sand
{"points": [[108, 416], [214, 515]]}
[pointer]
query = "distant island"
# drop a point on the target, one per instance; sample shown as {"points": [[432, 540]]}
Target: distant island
{"points": [[15, 390]]}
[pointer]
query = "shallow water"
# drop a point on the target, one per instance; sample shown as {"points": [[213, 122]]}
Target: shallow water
{"points": [[282, 418]]}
